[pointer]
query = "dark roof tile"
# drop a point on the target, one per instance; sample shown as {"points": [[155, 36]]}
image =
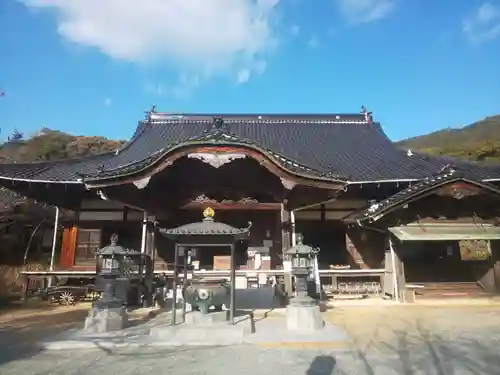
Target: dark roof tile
{"points": [[343, 146]]}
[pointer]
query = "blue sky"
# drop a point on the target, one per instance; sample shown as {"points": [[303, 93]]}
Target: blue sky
{"points": [[93, 67]]}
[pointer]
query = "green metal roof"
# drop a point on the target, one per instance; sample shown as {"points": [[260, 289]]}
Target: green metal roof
{"points": [[446, 232]]}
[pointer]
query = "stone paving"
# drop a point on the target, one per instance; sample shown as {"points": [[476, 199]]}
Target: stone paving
{"points": [[382, 340], [265, 331]]}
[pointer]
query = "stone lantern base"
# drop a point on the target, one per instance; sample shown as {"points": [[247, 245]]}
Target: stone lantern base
{"points": [[304, 318], [106, 320], [303, 313], [107, 314]]}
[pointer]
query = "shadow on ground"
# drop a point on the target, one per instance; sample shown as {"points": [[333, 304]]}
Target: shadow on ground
{"points": [[322, 365], [425, 351], [22, 328]]}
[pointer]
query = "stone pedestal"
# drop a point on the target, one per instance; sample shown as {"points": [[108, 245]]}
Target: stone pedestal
{"points": [[203, 329], [197, 318], [106, 320], [304, 318]]}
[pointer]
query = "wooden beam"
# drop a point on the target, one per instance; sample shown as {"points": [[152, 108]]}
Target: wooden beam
{"points": [[178, 152], [200, 206]]}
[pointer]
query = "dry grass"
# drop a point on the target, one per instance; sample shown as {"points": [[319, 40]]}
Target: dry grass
{"points": [[369, 325], [22, 326]]}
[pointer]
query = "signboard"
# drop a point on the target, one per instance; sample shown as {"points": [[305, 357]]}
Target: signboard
{"points": [[474, 250]]}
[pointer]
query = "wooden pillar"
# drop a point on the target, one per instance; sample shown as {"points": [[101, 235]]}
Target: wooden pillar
{"points": [[150, 243], [174, 285], [26, 286], [150, 250], [285, 245], [232, 294]]}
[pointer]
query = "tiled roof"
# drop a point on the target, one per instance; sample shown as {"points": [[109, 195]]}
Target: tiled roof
{"points": [[348, 147], [206, 227], [56, 171], [446, 176]]}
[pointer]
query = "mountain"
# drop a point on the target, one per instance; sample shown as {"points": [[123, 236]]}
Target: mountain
{"points": [[50, 144], [479, 141]]}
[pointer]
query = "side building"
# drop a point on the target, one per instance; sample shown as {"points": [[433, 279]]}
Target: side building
{"points": [[375, 211]]}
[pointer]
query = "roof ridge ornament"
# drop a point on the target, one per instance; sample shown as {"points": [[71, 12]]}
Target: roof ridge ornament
{"points": [[151, 112], [447, 169], [217, 123], [368, 114]]}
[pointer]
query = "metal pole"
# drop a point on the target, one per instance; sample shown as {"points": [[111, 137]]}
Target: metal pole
{"points": [[232, 296], [54, 240], [144, 232], [174, 285], [394, 274], [54, 244]]}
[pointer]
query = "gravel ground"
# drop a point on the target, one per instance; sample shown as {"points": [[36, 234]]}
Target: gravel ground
{"points": [[384, 340]]}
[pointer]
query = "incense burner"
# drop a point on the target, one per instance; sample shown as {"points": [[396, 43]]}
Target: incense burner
{"points": [[203, 293]]}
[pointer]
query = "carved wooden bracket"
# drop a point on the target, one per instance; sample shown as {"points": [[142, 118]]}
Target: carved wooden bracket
{"points": [[204, 199], [216, 160], [142, 183], [287, 184]]}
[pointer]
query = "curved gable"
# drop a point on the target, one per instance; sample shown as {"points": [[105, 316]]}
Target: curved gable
{"points": [[448, 183]]}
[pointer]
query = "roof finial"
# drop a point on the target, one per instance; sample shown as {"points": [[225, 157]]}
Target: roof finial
{"points": [[150, 112], [209, 213], [368, 115], [114, 239]]}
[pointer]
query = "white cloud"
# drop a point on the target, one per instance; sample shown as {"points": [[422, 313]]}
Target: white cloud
{"points": [[154, 88], [258, 68], [313, 42], [484, 24], [362, 11], [243, 76], [202, 36], [185, 85]]}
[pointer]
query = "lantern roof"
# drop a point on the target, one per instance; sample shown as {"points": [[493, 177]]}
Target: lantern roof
{"points": [[300, 249], [114, 249], [206, 227]]}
